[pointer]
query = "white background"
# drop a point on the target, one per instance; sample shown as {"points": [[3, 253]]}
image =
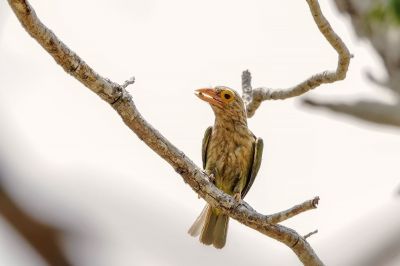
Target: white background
{"points": [[69, 158]]}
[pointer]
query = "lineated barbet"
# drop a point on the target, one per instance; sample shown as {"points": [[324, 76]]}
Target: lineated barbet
{"points": [[231, 157]]}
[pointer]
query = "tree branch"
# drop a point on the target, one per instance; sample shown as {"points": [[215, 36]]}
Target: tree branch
{"points": [[284, 215], [310, 234], [128, 82], [372, 111], [254, 97], [374, 21], [381, 30], [43, 238], [122, 102]]}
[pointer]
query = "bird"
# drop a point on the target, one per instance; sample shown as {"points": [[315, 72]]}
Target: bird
{"points": [[231, 156]]}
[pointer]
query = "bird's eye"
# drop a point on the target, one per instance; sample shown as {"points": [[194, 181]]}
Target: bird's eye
{"points": [[227, 96]]}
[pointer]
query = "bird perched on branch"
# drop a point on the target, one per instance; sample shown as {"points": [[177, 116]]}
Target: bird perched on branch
{"points": [[231, 157]]}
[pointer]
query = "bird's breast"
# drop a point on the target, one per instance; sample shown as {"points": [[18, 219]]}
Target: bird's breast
{"points": [[229, 156]]}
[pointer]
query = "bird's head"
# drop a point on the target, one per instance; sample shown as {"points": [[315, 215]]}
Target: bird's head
{"points": [[225, 102]]}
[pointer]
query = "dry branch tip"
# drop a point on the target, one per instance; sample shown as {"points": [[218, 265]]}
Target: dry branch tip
{"points": [[310, 234], [315, 202], [128, 82]]}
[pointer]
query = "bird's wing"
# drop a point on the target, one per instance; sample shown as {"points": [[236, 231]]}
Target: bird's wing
{"points": [[257, 156], [206, 140]]}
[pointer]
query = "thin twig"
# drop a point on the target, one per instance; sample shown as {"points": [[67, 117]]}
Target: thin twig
{"points": [[128, 82], [287, 214], [258, 95], [310, 234], [122, 102], [246, 87]]}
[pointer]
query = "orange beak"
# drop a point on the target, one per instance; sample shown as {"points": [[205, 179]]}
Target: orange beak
{"points": [[209, 95]]}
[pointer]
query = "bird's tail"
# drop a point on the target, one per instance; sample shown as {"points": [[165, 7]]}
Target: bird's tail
{"points": [[212, 226]]}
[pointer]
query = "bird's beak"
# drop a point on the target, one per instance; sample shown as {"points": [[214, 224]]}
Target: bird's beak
{"points": [[209, 95]]}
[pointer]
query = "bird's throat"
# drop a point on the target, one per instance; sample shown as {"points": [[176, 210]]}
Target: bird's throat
{"points": [[229, 124]]}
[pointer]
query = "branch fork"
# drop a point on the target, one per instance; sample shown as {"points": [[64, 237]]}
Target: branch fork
{"points": [[254, 97]]}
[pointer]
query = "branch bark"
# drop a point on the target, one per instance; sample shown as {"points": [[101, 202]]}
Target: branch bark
{"points": [[122, 102], [254, 97], [284, 215]]}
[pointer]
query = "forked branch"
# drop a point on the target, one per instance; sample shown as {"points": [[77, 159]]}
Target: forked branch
{"points": [[121, 101], [254, 97]]}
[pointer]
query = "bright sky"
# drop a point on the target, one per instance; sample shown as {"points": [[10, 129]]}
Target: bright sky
{"points": [[70, 157]]}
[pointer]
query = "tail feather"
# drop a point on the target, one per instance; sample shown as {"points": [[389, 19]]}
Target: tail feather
{"points": [[220, 231], [213, 227], [207, 234], [197, 226]]}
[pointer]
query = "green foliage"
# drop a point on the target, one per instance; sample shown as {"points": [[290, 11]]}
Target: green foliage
{"points": [[388, 12], [378, 13], [394, 5]]}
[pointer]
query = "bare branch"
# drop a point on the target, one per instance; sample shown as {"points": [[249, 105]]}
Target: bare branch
{"points": [[65, 57], [122, 102], [128, 82], [246, 87], [256, 96], [382, 32], [310, 234], [43, 238], [371, 111], [287, 214], [384, 35]]}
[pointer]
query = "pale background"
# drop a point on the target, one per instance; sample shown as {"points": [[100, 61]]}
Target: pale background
{"points": [[69, 158]]}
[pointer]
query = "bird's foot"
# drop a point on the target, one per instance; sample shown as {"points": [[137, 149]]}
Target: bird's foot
{"points": [[211, 177], [237, 196]]}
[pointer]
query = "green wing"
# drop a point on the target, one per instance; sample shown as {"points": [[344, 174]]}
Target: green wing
{"points": [[204, 146], [257, 156]]}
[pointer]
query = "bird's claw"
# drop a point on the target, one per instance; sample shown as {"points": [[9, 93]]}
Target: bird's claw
{"points": [[237, 196], [211, 177]]}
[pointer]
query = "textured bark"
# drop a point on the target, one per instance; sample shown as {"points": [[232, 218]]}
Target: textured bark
{"points": [[253, 98], [284, 215], [121, 101]]}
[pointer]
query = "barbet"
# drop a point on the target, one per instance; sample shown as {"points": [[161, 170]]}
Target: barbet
{"points": [[231, 157]]}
